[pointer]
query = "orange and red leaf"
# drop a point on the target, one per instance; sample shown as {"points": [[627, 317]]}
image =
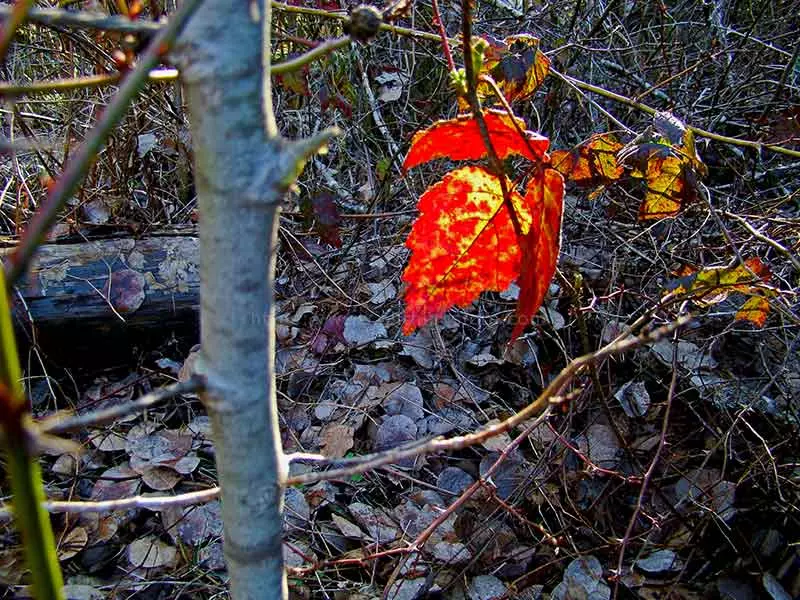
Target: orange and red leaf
{"points": [[592, 163], [667, 191], [712, 285], [517, 66], [462, 244], [541, 244], [755, 309], [460, 139]]}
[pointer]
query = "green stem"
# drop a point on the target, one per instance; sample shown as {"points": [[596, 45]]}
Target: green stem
{"points": [[33, 521], [306, 58], [26, 476], [651, 111], [76, 83]]}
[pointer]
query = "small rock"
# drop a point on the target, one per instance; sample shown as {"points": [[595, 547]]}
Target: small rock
{"points": [[486, 587]]}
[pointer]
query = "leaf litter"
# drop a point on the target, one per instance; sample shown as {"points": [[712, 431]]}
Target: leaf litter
{"points": [[351, 383]]}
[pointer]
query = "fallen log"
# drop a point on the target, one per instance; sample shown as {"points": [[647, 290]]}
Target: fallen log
{"points": [[108, 290]]}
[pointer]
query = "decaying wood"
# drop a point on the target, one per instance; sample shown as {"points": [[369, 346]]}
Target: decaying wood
{"points": [[110, 286]]}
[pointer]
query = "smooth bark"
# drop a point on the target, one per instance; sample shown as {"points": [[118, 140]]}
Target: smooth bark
{"points": [[242, 169]]}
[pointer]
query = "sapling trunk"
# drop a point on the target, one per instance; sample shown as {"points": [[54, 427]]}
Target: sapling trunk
{"points": [[241, 172]]}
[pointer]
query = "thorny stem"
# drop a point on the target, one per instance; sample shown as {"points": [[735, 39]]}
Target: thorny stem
{"points": [[551, 394], [477, 112], [437, 19], [361, 464], [540, 407], [482, 481]]}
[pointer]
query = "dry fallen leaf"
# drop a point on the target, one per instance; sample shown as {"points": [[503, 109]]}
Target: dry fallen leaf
{"points": [[149, 552], [107, 441], [115, 483], [376, 521], [72, 543], [336, 440], [193, 525]]}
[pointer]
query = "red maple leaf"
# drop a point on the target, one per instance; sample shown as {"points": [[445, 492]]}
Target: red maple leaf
{"points": [[469, 238], [460, 139], [540, 245], [462, 244]]}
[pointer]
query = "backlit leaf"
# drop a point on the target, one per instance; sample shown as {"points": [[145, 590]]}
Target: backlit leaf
{"points": [[295, 81], [755, 309], [460, 139], [540, 246], [713, 284], [462, 244], [681, 138], [592, 163], [668, 162], [667, 189], [518, 67]]}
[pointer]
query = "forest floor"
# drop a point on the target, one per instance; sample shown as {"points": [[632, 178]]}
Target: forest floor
{"points": [[671, 471]]}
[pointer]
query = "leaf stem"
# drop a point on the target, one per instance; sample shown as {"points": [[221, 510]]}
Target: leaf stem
{"points": [[477, 113], [23, 468], [437, 19]]}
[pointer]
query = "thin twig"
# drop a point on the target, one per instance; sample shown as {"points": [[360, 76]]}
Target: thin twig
{"points": [[763, 238], [437, 20], [56, 425], [59, 17], [14, 90], [325, 14], [320, 50], [154, 503], [651, 111], [662, 441], [482, 481], [552, 393], [78, 165]]}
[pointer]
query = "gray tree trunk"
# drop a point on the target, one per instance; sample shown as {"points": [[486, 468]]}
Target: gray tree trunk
{"points": [[242, 169]]}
